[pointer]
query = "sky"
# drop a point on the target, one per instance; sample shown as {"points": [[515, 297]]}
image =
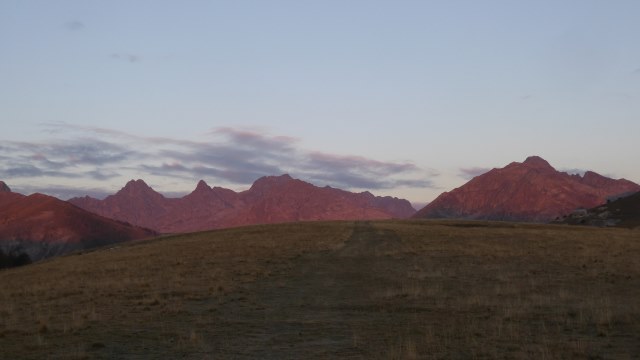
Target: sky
{"points": [[399, 97]]}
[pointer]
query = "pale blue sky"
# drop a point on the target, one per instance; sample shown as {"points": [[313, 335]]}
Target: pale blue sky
{"points": [[412, 95]]}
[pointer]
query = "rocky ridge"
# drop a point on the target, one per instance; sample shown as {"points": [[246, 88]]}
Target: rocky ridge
{"points": [[271, 199], [529, 191]]}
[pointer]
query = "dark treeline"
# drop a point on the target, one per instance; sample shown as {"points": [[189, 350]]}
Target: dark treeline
{"points": [[13, 259]]}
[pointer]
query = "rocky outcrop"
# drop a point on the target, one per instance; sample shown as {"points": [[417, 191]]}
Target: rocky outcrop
{"points": [[529, 191], [620, 212]]}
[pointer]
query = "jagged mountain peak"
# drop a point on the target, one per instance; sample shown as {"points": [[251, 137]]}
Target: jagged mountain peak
{"points": [[136, 187], [270, 199], [539, 193], [139, 183], [202, 186]]}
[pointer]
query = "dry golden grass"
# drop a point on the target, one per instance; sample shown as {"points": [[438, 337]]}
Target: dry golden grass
{"points": [[389, 290], [523, 291], [83, 301]]}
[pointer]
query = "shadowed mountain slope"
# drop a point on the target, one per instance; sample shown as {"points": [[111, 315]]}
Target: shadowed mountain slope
{"points": [[43, 226], [271, 199], [622, 212], [4, 187], [529, 191]]}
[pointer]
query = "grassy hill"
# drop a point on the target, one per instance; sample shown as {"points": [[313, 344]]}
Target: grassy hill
{"points": [[387, 290]]}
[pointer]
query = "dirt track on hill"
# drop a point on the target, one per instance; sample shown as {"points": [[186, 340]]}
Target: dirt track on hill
{"points": [[319, 305], [323, 306]]}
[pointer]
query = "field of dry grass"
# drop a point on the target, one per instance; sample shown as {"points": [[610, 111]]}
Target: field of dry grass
{"points": [[387, 290]]}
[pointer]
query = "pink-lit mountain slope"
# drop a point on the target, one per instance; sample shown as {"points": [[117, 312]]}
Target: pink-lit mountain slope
{"points": [[529, 191], [271, 199]]}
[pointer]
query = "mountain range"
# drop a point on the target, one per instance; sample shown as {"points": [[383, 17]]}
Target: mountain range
{"points": [[529, 191], [42, 226], [271, 199]]}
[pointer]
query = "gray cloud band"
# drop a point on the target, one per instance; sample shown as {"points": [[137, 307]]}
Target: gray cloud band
{"points": [[232, 155]]}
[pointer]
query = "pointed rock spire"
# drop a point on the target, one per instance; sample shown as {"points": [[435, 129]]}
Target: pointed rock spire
{"points": [[202, 186]]}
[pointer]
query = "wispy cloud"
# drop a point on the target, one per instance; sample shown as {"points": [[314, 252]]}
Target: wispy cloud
{"points": [[358, 172], [574, 171], [74, 25], [22, 170], [67, 153], [345, 163], [132, 58], [225, 154], [255, 140], [101, 174]]}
